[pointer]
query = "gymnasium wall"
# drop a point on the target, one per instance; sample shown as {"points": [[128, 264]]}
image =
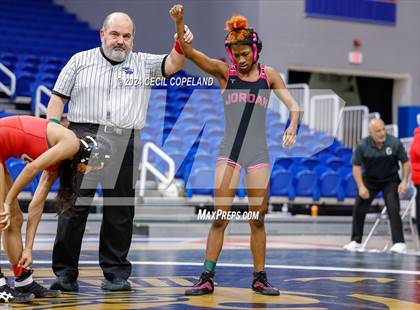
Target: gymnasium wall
{"points": [[289, 37]]}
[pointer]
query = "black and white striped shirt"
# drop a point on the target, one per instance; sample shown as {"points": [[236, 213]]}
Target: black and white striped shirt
{"points": [[107, 93]]}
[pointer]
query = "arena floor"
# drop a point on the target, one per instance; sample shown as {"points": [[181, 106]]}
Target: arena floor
{"points": [[312, 272]]}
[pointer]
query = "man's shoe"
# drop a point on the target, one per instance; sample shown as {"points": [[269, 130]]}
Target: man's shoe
{"points": [[260, 285], [353, 246], [205, 285], [399, 248], [64, 285], [7, 294], [38, 290], [117, 284]]}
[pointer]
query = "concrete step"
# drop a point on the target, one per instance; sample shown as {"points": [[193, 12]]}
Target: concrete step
{"points": [[178, 222]]}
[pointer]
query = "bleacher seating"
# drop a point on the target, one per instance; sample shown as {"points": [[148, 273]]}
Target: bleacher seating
{"points": [[40, 38], [191, 128]]}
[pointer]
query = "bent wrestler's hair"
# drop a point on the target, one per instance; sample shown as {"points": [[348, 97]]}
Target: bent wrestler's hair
{"points": [[67, 192], [93, 151], [237, 26]]}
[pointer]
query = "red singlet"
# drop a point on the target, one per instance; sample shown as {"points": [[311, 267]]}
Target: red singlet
{"points": [[23, 137]]}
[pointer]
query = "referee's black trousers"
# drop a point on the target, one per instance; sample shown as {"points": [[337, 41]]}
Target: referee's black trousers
{"points": [[392, 202], [117, 221]]}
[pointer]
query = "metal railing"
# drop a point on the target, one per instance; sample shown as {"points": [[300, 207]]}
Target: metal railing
{"points": [[373, 115], [301, 93], [147, 166], [40, 108], [8, 90], [392, 129], [324, 113], [353, 125], [406, 142]]}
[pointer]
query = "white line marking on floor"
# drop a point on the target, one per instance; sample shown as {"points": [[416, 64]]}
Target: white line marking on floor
{"points": [[291, 267]]}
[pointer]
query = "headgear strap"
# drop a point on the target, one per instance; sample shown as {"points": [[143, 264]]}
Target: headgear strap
{"points": [[254, 41]]}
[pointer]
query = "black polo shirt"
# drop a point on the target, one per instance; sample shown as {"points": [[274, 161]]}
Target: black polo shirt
{"points": [[380, 164]]}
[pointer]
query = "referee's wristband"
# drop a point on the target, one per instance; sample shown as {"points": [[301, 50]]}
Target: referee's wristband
{"points": [[178, 47], [52, 119]]}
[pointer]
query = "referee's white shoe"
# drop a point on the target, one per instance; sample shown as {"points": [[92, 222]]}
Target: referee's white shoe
{"points": [[399, 248], [353, 246]]}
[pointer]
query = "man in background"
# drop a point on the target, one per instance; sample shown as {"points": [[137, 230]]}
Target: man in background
{"points": [[380, 154]]}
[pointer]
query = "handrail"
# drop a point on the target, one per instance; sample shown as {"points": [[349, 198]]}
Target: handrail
{"points": [[39, 107], [325, 113], [147, 166], [9, 91], [303, 99]]}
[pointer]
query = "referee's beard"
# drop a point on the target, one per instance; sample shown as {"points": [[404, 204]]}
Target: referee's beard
{"points": [[114, 54]]}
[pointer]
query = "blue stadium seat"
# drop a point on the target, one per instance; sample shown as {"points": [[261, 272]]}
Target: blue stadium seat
{"points": [[215, 123], [282, 163], [334, 163], [274, 123], [297, 151], [349, 186], [304, 130], [305, 138], [330, 185], [50, 69], [310, 162], [55, 186], [206, 146], [200, 182], [215, 132], [281, 184], [344, 153], [343, 171], [26, 67], [241, 191], [190, 121], [204, 160], [23, 84], [9, 64], [53, 61], [214, 141], [15, 167], [181, 164], [305, 184], [8, 57], [276, 152], [44, 77], [32, 59]]}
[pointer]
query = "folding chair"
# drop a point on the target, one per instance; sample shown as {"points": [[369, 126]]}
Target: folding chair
{"points": [[407, 204]]}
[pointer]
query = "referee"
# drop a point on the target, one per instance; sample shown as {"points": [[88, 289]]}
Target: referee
{"points": [[106, 97], [380, 155]]}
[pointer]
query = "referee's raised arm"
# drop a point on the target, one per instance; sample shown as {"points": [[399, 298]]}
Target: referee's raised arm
{"points": [[176, 59]]}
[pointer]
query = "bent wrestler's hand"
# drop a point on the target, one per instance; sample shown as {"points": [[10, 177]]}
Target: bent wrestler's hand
{"points": [[26, 258], [5, 217]]}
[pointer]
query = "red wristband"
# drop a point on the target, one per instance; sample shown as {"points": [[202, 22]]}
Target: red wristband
{"points": [[178, 48]]}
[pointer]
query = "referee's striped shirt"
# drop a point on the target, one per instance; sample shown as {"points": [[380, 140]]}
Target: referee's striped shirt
{"points": [[104, 92]]}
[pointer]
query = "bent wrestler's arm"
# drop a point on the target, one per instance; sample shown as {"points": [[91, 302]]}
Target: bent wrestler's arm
{"points": [[281, 91], [36, 206], [64, 149]]}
